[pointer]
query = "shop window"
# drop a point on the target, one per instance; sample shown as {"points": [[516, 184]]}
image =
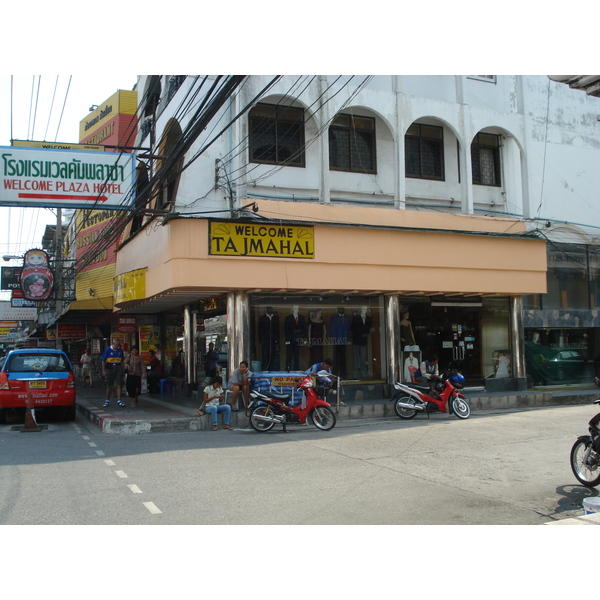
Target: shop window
{"points": [[424, 152], [485, 159], [277, 135], [567, 277], [559, 355], [594, 278], [352, 144], [294, 332]]}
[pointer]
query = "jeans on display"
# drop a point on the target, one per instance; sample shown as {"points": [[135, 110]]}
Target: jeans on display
{"points": [[214, 410]]}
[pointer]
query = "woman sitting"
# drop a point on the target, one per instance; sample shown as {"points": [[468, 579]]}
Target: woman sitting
{"points": [[213, 394]]}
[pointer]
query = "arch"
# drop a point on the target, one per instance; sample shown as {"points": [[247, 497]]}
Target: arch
{"points": [[168, 171]]}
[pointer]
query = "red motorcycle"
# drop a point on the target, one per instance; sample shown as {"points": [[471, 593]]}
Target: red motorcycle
{"points": [[268, 409], [411, 399]]}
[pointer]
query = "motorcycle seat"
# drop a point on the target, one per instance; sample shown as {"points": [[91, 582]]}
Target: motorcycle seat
{"points": [[283, 397], [419, 388]]}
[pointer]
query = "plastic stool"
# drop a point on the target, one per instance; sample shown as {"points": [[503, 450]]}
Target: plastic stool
{"points": [[168, 383]]}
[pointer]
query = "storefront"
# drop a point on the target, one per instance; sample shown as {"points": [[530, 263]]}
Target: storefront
{"points": [[291, 293]]}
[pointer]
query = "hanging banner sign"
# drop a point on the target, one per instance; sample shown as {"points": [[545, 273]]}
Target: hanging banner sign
{"points": [[66, 178], [229, 238], [37, 280]]}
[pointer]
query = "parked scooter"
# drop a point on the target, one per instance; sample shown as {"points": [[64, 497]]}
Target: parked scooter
{"points": [[268, 409], [411, 398], [585, 454]]}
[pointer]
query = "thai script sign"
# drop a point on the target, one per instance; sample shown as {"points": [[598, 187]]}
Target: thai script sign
{"points": [[66, 178], [71, 330], [230, 238]]}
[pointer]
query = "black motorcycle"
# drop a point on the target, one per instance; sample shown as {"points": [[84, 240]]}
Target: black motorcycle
{"points": [[585, 454]]}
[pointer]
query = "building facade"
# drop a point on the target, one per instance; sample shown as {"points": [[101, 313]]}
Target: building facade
{"points": [[396, 216]]}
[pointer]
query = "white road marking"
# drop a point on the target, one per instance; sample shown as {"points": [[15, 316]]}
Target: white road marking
{"points": [[91, 444], [134, 488], [100, 453], [121, 474], [85, 437], [109, 462], [152, 508]]}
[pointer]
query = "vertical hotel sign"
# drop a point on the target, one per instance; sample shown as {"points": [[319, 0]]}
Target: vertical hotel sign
{"points": [[66, 178], [229, 238]]}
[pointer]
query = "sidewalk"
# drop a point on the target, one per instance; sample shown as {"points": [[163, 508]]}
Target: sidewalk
{"points": [[178, 412]]}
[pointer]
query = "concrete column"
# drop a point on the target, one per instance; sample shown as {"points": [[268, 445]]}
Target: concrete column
{"points": [[323, 116], [242, 328], [392, 339], [238, 329], [517, 335], [188, 344], [233, 356]]}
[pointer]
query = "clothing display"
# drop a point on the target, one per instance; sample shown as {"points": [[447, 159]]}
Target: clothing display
{"points": [[268, 336], [294, 329]]}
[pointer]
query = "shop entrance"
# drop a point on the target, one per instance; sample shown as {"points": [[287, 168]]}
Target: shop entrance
{"points": [[458, 339], [453, 331]]}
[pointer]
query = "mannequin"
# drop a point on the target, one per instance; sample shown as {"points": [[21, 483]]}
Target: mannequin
{"points": [[268, 336], [361, 329], [294, 329], [317, 331], [407, 336], [339, 328]]}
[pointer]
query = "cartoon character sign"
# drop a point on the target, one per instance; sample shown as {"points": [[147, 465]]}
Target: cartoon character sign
{"points": [[37, 279]]}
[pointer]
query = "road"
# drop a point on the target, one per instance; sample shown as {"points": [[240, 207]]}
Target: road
{"points": [[498, 467]]}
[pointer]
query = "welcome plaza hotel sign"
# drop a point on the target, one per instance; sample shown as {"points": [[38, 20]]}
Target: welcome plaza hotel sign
{"points": [[66, 178]]}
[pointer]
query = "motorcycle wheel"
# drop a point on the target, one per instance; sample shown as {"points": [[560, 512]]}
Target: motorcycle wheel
{"points": [[405, 413], [257, 424], [323, 418], [461, 408], [589, 475]]}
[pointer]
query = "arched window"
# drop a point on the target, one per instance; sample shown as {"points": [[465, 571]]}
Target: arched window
{"points": [[277, 135], [352, 144]]}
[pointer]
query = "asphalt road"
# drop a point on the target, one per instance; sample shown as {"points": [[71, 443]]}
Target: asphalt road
{"points": [[495, 468]]}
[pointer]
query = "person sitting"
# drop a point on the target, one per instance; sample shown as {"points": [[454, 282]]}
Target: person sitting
{"points": [[213, 395], [155, 373], [322, 386], [430, 374], [240, 382]]}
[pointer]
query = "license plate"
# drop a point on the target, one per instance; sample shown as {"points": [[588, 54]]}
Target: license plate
{"points": [[37, 385]]}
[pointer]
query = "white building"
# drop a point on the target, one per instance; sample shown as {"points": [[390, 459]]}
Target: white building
{"points": [[468, 175]]}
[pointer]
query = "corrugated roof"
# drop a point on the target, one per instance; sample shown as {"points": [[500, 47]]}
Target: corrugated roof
{"points": [[590, 84]]}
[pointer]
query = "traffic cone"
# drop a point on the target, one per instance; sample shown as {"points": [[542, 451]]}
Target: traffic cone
{"points": [[30, 422]]}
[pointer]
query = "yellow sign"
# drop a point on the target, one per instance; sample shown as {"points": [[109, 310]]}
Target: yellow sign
{"points": [[228, 238], [57, 146], [284, 381], [130, 286]]}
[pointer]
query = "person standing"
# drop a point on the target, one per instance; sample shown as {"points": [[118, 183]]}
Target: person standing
{"points": [[240, 382], [112, 370], [87, 367], [213, 395], [212, 360], [136, 371]]}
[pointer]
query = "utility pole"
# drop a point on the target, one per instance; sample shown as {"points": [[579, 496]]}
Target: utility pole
{"points": [[58, 276]]}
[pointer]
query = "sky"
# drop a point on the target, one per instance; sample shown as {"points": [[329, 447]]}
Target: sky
{"points": [[45, 108]]}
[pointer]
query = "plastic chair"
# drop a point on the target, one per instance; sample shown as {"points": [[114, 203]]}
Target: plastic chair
{"points": [[166, 383]]}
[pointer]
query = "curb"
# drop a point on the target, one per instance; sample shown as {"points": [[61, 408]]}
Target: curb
{"points": [[592, 519]]}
